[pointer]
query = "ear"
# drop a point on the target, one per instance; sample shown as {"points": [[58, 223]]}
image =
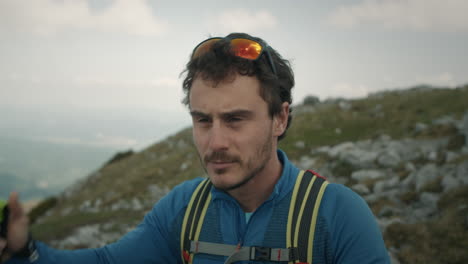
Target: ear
{"points": [[280, 121]]}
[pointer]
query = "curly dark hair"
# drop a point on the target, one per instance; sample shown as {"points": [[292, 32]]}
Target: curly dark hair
{"points": [[219, 64]]}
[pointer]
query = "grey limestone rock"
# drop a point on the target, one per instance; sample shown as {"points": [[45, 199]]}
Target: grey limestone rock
{"points": [[137, 205], [425, 175], [464, 127], [451, 156], [184, 166], [360, 189], [359, 158], [432, 156], [389, 158], [449, 182], [182, 144], [345, 105], [363, 175], [156, 192], [340, 148], [429, 199], [300, 144], [462, 172], [444, 120], [420, 127], [388, 211], [306, 163], [385, 185]]}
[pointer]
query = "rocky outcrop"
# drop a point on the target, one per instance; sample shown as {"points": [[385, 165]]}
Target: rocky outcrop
{"points": [[464, 128], [100, 234], [415, 181], [402, 180]]}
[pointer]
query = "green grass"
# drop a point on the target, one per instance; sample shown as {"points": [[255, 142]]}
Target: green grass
{"points": [[60, 227], [442, 240], [42, 208], [160, 164], [400, 111]]}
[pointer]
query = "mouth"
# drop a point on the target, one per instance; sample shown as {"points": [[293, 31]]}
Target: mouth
{"points": [[220, 165]]}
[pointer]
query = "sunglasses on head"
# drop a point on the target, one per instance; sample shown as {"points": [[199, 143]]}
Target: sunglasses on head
{"points": [[240, 47]]}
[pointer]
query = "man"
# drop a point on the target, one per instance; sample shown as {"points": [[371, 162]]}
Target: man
{"points": [[238, 91]]}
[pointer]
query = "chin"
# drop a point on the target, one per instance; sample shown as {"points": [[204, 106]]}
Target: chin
{"points": [[223, 181]]}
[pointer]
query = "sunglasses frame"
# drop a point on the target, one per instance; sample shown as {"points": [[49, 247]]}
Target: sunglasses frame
{"points": [[263, 44]]}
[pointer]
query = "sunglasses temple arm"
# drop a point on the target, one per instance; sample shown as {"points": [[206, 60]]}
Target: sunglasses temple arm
{"points": [[270, 60]]}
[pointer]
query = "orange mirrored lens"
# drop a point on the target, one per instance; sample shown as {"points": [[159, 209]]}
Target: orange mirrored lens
{"points": [[204, 47], [246, 48], [240, 47]]}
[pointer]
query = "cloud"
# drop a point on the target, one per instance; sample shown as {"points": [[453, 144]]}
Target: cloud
{"points": [[166, 82], [106, 80], [46, 17], [441, 79], [347, 90], [242, 20], [415, 15]]}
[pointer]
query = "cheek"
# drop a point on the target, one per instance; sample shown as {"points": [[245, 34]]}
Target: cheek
{"points": [[263, 130], [197, 139], [254, 137]]}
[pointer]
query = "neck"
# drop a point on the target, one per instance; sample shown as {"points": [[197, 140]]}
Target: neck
{"points": [[255, 192]]}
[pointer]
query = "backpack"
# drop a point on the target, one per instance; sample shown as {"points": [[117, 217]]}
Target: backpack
{"points": [[303, 210]]}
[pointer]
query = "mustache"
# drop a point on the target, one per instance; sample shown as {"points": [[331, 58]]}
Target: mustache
{"points": [[220, 156]]}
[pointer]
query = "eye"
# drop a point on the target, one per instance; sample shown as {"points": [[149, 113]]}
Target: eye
{"points": [[201, 119], [233, 119]]}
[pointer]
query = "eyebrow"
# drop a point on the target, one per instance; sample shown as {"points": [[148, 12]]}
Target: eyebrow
{"points": [[237, 112], [198, 114]]}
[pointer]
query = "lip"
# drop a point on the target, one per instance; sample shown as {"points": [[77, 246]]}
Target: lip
{"points": [[220, 165]]}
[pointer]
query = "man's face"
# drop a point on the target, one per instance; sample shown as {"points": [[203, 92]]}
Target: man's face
{"points": [[232, 130]]}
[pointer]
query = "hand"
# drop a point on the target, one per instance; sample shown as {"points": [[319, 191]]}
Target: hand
{"points": [[3, 254], [17, 230]]}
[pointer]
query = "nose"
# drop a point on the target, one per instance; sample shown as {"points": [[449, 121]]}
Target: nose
{"points": [[218, 137]]}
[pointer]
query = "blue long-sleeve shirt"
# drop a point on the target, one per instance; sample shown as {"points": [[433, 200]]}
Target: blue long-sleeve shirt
{"points": [[347, 226]]}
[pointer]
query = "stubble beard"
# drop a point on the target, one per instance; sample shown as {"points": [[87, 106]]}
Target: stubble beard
{"points": [[264, 153]]}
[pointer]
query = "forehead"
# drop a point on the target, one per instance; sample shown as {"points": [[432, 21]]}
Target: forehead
{"points": [[234, 93]]}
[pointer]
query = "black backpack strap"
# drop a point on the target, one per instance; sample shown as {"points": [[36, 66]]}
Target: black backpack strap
{"points": [[194, 217], [303, 211]]}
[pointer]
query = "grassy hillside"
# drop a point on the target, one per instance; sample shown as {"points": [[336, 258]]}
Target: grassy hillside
{"points": [[132, 179], [393, 113]]}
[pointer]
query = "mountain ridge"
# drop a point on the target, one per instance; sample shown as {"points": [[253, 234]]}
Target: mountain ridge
{"points": [[368, 144]]}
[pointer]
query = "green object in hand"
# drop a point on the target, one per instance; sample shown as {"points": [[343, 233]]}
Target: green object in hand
{"points": [[3, 218], [2, 205]]}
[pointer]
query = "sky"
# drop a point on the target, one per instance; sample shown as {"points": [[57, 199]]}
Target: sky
{"points": [[107, 72]]}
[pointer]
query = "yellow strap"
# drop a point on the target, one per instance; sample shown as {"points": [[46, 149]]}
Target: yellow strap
{"points": [[202, 188], [314, 221], [200, 222], [202, 216], [197, 207], [291, 210], [186, 216], [301, 212]]}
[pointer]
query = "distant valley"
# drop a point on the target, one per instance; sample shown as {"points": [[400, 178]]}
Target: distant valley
{"points": [[44, 149], [40, 169]]}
